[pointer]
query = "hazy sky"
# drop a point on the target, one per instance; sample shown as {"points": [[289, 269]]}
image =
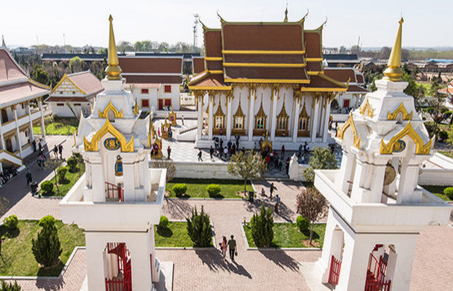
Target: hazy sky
{"points": [[26, 22]]}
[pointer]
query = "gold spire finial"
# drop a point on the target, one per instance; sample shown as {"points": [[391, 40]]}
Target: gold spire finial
{"points": [[113, 69], [286, 13], [393, 71]]}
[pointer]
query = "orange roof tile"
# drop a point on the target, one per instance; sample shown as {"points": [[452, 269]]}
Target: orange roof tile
{"points": [[87, 81]]}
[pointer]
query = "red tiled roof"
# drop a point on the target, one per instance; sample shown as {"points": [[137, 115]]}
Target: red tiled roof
{"points": [[356, 89], [319, 82], [87, 81], [360, 79], [208, 80], [213, 43], [198, 65], [153, 79], [172, 65], [9, 69], [444, 90], [14, 93], [341, 74]]}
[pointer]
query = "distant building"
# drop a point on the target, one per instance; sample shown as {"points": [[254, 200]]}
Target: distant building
{"points": [[21, 109], [74, 94], [341, 60], [154, 81]]}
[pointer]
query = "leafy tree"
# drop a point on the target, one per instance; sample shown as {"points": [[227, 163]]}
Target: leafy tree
{"points": [[311, 205], [124, 46], [39, 75], [77, 65], [163, 222], [322, 158], [47, 187], [163, 47], [10, 286], [246, 165], [11, 222], [46, 248], [199, 228], [213, 190], [262, 227]]}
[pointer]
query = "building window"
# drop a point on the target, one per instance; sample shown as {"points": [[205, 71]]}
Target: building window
{"points": [[239, 122], [219, 122], [167, 89], [73, 92], [26, 133], [144, 91], [60, 104], [282, 122], [260, 123], [23, 105], [145, 102], [302, 125], [61, 92], [77, 104]]}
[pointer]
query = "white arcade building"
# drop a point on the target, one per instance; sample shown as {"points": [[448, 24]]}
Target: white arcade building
{"points": [[119, 199], [376, 207]]}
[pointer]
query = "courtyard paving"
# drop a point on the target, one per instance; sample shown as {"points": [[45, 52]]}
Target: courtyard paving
{"points": [[205, 269]]}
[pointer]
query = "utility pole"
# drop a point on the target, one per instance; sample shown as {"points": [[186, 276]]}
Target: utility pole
{"points": [[195, 26]]}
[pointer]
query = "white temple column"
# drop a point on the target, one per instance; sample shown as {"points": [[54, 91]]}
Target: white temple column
{"points": [[139, 248], [229, 116], [251, 118], [274, 113], [346, 171], [326, 121], [314, 118], [200, 115], [32, 136], [404, 258], [211, 116], [296, 118], [19, 144], [408, 182], [129, 181], [2, 138], [98, 182], [43, 128], [377, 184]]}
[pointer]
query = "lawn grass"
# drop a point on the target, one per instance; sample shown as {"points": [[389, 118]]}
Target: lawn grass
{"points": [[175, 235], [438, 191], [58, 126], [196, 188], [18, 259], [66, 185], [287, 235]]}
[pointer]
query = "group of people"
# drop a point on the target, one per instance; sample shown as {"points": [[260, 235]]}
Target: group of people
{"points": [[7, 174], [228, 245], [272, 188], [224, 152], [58, 150]]}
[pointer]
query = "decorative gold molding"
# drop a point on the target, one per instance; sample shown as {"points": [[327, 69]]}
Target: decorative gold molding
{"points": [[135, 107], [92, 146], [350, 123], [314, 59], [265, 65], [267, 81], [303, 115], [401, 109], [367, 108], [420, 148], [105, 114], [213, 58], [262, 52]]}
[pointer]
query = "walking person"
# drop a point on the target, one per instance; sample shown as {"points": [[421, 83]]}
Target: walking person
{"points": [[272, 189], [168, 152], [55, 151], [224, 247], [283, 150], [34, 145], [28, 177], [60, 150], [182, 119], [200, 153], [233, 248], [211, 152]]}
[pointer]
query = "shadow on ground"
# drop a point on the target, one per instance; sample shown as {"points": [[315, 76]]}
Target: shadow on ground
{"points": [[177, 208], [281, 259], [214, 261]]}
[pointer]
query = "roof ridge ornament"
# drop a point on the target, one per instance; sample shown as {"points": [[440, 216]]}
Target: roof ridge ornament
{"points": [[113, 69], [306, 14], [286, 13], [393, 71], [221, 19], [202, 24], [322, 25]]}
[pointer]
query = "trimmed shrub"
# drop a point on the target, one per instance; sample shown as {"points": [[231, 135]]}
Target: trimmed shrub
{"points": [[179, 189], [199, 228], [46, 248], [262, 227], [61, 172], [443, 135], [449, 192], [11, 222], [163, 223], [302, 223], [47, 187], [10, 286], [213, 190], [72, 163]]}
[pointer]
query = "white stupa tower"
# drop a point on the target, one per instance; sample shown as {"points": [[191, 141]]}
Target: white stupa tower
{"points": [[119, 199], [376, 208]]}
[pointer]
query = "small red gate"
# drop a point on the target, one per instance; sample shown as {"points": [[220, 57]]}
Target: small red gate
{"points": [[334, 275], [114, 192], [375, 278]]}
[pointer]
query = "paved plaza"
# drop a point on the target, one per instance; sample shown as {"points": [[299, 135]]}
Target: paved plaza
{"points": [[205, 269]]}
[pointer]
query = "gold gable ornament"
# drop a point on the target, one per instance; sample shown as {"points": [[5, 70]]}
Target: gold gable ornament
{"points": [[92, 146], [401, 109], [110, 107], [366, 108], [420, 147], [136, 109], [342, 130]]}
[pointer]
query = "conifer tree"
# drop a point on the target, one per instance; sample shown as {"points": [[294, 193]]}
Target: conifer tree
{"points": [[199, 228], [46, 248], [262, 227]]}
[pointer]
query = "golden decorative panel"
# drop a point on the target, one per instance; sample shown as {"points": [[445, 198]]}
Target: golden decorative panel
{"points": [[420, 147], [401, 109], [350, 123], [366, 108], [92, 146], [105, 113]]}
